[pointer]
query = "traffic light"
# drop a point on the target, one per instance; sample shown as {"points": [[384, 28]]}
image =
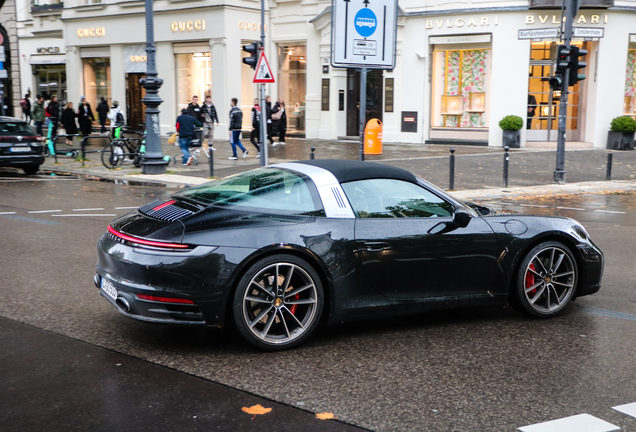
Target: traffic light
{"points": [[253, 58], [562, 64], [575, 65]]}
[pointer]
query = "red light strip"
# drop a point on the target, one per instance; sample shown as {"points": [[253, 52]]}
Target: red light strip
{"points": [[146, 242], [164, 299], [166, 204]]}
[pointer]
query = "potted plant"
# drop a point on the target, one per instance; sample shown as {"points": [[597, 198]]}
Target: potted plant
{"points": [[621, 133], [511, 126]]}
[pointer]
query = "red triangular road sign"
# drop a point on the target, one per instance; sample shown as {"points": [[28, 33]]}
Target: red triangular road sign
{"points": [[263, 73]]}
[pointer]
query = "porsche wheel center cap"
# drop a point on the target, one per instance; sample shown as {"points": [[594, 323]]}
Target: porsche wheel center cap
{"points": [[547, 279], [278, 302]]}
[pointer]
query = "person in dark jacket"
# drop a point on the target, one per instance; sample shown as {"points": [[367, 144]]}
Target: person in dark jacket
{"points": [[68, 121], [195, 110], [38, 114], [279, 126], [236, 124], [53, 111], [185, 127], [208, 112], [256, 126], [268, 116], [25, 104], [102, 111], [86, 117]]}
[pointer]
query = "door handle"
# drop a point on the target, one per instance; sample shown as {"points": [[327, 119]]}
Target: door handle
{"points": [[375, 246]]}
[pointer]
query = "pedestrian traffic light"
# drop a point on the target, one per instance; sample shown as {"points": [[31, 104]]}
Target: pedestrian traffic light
{"points": [[253, 58], [575, 65]]}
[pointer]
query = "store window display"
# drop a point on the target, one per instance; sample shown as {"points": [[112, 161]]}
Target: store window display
{"points": [[461, 79], [292, 83], [194, 77], [96, 79], [630, 82]]}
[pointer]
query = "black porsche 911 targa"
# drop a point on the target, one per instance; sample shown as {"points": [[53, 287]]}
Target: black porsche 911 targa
{"points": [[276, 250]]}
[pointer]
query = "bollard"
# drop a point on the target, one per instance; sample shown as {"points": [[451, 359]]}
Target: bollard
{"points": [[505, 168], [312, 156], [451, 180], [83, 147], [610, 156], [211, 159]]}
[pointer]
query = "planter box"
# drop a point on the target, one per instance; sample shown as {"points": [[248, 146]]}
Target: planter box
{"points": [[511, 138], [620, 140]]}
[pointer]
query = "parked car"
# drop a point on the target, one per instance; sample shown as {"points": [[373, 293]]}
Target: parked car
{"points": [[20, 146], [277, 249]]}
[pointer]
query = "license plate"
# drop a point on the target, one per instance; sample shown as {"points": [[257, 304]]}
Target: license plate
{"points": [[20, 149], [109, 289]]}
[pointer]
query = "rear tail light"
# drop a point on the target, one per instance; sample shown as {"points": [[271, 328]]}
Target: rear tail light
{"points": [[139, 241], [164, 299]]}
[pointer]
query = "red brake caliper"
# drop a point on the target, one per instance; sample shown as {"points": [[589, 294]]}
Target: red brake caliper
{"points": [[293, 307], [529, 280]]}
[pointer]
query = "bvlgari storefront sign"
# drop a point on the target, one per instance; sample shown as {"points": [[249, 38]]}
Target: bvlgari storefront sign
{"points": [[135, 59]]}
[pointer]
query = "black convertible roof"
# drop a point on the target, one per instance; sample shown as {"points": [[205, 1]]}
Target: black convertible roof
{"points": [[350, 170]]}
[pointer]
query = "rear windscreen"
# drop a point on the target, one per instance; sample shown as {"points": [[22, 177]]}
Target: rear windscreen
{"points": [[16, 128]]}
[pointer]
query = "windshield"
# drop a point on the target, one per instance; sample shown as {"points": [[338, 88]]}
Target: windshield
{"points": [[265, 189], [17, 128]]}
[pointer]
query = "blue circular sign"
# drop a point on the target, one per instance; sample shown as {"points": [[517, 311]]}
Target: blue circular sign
{"points": [[366, 22]]}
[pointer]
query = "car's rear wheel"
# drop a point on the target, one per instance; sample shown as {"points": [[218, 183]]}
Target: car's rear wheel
{"points": [[546, 280], [31, 169], [278, 302]]}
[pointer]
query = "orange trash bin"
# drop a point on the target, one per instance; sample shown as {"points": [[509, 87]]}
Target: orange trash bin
{"points": [[373, 137]]}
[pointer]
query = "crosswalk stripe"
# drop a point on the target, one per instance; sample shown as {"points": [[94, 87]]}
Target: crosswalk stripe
{"points": [[629, 409], [576, 423]]}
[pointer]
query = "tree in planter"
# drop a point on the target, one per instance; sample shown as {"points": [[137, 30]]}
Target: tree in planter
{"points": [[621, 133], [511, 126]]}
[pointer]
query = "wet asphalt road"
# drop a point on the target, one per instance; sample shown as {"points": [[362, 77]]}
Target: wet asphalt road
{"points": [[468, 370]]}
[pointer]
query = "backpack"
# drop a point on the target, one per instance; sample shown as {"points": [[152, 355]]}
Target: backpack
{"points": [[119, 119], [23, 104]]}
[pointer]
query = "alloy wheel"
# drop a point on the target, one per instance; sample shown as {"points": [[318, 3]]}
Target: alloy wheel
{"points": [[549, 280]]}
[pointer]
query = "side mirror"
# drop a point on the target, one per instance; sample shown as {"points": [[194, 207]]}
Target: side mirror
{"points": [[461, 218]]}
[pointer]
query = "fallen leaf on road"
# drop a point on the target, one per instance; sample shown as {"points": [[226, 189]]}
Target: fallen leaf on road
{"points": [[256, 410], [325, 416]]}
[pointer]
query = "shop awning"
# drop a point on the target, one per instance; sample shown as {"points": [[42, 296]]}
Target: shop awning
{"points": [[47, 59]]}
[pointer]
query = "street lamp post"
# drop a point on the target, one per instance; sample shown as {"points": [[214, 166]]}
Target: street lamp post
{"points": [[153, 161]]}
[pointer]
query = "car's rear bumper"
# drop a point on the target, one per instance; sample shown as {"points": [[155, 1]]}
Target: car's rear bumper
{"points": [[20, 160]]}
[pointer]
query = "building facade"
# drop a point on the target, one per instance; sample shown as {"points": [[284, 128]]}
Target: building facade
{"points": [[460, 66]]}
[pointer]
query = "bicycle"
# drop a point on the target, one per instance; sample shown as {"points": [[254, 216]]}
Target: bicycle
{"points": [[122, 149], [195, 145]]}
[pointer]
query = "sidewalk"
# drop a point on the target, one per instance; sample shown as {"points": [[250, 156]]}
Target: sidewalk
{"points": [[478, 170]]}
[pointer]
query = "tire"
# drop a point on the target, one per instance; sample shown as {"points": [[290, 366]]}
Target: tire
{"points": [[113, 155], [31, 169], [137, 162], [546, 280], [277, 319]]}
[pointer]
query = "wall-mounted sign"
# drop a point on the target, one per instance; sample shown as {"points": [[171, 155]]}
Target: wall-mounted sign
{"points": [[587, 32], [539, 33], [187, 25], [459, 39], [582, 19], [48, 50], [461, 22], [244, 25], [135, 58], [92, 32]]}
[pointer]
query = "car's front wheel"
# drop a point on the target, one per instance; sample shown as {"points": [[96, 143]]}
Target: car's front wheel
{"points": [[278, 302], [546, 280]]}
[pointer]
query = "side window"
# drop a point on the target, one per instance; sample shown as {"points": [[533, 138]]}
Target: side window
{"points": [[385, 198]]}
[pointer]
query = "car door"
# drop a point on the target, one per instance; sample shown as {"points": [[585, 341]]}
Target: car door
{"points": [[411, 248]]}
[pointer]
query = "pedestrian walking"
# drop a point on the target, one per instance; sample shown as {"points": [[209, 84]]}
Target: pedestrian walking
{"points": [[268, 117], [53, 113], [256, 126], [195, 110], [69, 123], [25, 104], [236, 124], [116, 117], [209, 118], [279, 121], [86, 117], [185, 127], [38, 114], [102, 112]]}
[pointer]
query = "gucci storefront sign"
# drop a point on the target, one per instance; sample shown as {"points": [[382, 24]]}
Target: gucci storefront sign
{"points": [[180, 26], [135, 59], [91, 32]]}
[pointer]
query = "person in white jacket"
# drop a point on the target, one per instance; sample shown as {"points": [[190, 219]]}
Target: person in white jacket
{"points": [[116, 117]]}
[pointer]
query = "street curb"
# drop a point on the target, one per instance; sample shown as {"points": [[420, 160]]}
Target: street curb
{"points": [[175, 180]]}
